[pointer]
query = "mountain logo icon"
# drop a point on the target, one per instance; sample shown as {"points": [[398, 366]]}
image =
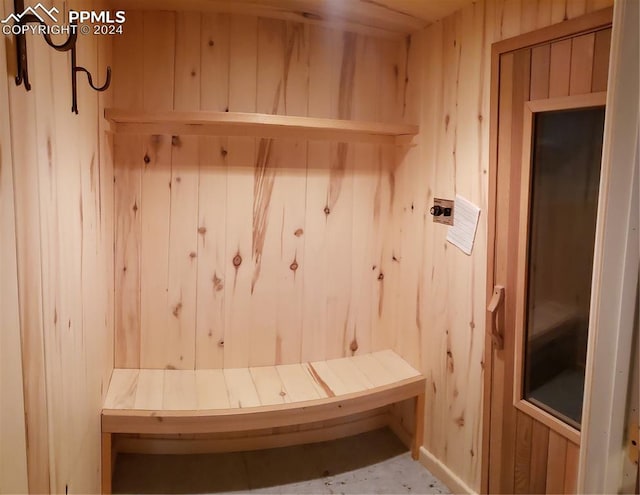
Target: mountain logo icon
{"points": [[39, 11]]}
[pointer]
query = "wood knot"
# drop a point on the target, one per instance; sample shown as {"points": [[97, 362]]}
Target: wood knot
{"points": [[217, 283], [327, 210], [202, 230], [135, 207], [175, 141], [211, 43], [237, 260], [178, 179], [223, 152], [221, 343], [381, 276], [193, 73], [147, 159], [192, 254], [282, 393], [176, 310], [298, 232], [354, 345], [293, 266]]}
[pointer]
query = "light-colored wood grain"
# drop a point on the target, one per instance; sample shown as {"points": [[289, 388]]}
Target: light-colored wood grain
{"points": [[581, 64], [149, 389], [211, 254], [269, 385], [180, 340], [154, 254], [187, 77], [158, 60], [370, 367], [256, 124], [128, 157], [352, 377], [241, 388], [324, 53], [298, 383], [179, 391], [122, 389], [556, 461], [388, 18], [214, 62], [13, 449], [395, 365], [211, 389]]}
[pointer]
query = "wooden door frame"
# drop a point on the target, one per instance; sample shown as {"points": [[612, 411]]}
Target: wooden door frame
{"points": [[616, 262], [567, 29]]}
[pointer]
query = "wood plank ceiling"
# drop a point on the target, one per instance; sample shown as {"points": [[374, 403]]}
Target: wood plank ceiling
{"points": [[389, 18]]}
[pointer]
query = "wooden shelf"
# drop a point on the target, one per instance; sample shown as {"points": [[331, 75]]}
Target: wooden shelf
{"points": [[257, 125]]}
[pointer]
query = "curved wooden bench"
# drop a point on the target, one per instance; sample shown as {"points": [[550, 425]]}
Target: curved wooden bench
{"points": [[243, 399]]}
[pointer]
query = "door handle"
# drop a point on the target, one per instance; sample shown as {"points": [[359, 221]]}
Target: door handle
{"points": [[493, 308]]}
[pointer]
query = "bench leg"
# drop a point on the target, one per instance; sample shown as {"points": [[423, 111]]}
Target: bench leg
{"points": [[107, 463], [419, 430]]}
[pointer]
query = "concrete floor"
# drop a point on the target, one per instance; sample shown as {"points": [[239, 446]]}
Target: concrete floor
{"points": [[374, 462]]}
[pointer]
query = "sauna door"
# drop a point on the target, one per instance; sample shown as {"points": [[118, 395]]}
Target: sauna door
{"points": [[546, 175]]}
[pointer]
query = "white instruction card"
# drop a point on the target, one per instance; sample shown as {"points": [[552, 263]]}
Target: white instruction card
{"points": [[465, 223]]}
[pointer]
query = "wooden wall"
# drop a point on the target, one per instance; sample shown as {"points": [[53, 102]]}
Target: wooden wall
{"points": [[440, 290], [13, 448], [62, 192], [241, 251]]}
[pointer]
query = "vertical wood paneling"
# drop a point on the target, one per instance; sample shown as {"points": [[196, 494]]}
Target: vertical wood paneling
{"points": [[158, 60], [63, 206], [27, 218], [13, 448], [539, 449], [214, 62], [324, 50], [290, 199], [581, 64], [571, 468], [154, 254], [540, 70], [556, 461], [241, 159], [560, 68], [187, 61], [522, 473], [365, 274], [183, 245], [602, 46], [128, 155], [211, 256]]}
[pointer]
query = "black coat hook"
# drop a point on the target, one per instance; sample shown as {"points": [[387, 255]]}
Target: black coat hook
{"points": [[22, 77]]}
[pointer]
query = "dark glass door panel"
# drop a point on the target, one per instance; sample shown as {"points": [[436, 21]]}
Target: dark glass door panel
{"points": [[565, 179]]}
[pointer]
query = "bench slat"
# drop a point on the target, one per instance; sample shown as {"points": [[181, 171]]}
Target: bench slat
{"points": [[150, 390], [373, 370], [298, 383], [242, 390], [211, 389], [350, 375], [397, 367], [269, 386], [179, 390], [122, 390]]}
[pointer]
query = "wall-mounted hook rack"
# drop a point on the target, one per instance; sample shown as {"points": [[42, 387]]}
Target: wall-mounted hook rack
{"points": [[22, 18]]}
